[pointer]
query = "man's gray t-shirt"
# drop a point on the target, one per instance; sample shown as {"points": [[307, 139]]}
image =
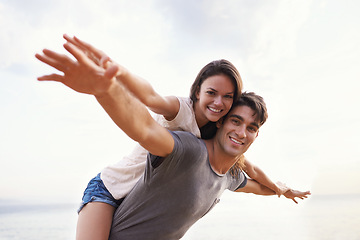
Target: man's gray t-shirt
{"points": [[171, 197]]}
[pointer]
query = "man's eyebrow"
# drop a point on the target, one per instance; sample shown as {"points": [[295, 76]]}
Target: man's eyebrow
{"points": [[236, 116], [242, 119]]}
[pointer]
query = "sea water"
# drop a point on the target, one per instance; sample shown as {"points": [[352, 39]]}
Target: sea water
{"points": [[246, 216], [20, 221], [237, 216]]}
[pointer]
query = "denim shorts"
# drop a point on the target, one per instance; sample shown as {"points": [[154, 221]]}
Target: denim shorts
{"points": [[97, 192]]}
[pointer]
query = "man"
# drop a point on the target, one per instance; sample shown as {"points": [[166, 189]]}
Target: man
{"points": [[185, 176], [179, 188]]}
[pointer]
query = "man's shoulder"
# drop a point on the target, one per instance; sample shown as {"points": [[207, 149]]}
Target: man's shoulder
{"points": [[186, 139], [185, 135], [188, 147]]}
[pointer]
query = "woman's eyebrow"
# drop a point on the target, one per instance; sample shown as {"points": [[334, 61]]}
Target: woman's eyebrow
{"points": [[210, 88]]}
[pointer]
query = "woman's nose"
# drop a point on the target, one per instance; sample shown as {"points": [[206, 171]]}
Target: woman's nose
{"points": [[218, 101]]}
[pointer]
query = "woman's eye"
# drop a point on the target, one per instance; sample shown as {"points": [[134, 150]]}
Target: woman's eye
{"points": [[210, 92], [229, 96]]}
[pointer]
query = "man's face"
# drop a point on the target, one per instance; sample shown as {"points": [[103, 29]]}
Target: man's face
{"points": [[238, 131]]}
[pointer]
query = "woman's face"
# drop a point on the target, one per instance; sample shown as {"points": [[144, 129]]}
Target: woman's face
{"points": [[215, 98]]}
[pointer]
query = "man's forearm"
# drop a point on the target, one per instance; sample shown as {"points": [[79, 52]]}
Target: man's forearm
{"points": [[126, 111], [254, 187], [134, 119]]}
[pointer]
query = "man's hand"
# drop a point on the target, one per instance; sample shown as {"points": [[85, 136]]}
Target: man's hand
{"points": [[83, 75], [292, 194], [281, 188], [96, 55]]}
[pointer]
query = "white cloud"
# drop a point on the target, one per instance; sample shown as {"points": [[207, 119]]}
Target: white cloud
{"points": [[278, 29]]}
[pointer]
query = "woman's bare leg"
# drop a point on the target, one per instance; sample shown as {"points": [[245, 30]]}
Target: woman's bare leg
{"points": [[94, 221]]}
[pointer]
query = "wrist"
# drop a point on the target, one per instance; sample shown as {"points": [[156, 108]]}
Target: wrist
{"points": [[281, 188], [122, 72], [108, 90]]}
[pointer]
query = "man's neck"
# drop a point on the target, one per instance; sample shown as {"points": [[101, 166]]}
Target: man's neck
{"points": [[219, 161]]}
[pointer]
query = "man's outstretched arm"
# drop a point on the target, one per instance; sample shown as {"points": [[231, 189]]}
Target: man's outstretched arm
{"points": [[254, 172], [84, 76], [256, 188], [135, 120]]}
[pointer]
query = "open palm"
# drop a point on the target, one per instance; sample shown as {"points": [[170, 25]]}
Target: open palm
{"points": [[82, 75]]}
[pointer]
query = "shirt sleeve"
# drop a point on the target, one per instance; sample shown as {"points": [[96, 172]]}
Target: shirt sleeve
{"points": [[183, 121], [237, 182], [186, 153], [243, 184]]}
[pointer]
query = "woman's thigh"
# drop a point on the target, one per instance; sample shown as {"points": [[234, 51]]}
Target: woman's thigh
{"points": [[94, 221]]}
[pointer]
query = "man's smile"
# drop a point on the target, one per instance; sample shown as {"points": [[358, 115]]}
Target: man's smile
{"points": [[236, 141]]}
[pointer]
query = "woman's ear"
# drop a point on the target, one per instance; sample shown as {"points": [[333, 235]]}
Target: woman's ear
{"points": [[197, 93]]}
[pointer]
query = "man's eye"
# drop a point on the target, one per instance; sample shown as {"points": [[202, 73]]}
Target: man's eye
{"points": [[252, 129]]}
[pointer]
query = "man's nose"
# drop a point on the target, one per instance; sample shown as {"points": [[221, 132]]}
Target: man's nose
{"points": [[241, 131]]}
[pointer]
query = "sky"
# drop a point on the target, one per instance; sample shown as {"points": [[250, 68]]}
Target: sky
{"points": [[302, 56]]}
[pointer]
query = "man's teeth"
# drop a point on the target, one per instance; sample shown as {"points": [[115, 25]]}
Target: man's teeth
{"points": [[236, 141], [215, 110]]}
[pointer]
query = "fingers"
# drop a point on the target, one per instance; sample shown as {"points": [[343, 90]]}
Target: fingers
{"points": [[61, 58], [301, 195], [304, 194], [70, 39], [104, 61], [56, 60], [84, 46], [94, 54], [81, 56], [98, 53], [76, 52], [51, 77], [111, 71]]}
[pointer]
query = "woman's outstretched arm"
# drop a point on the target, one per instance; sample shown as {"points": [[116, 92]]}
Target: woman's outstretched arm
{"points": [[139, 87]]}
